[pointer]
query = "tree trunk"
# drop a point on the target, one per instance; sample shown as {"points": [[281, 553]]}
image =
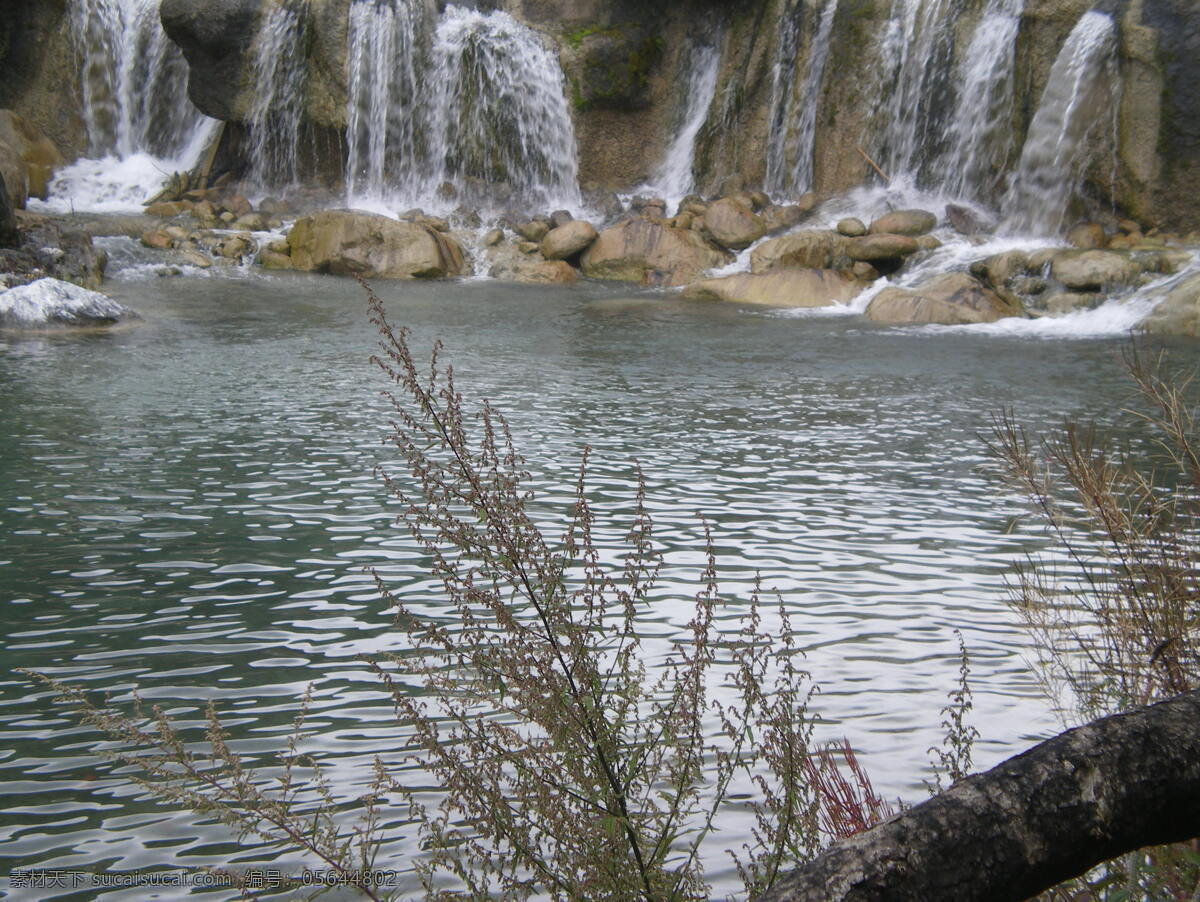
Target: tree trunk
{"points": [[1090, 794]]}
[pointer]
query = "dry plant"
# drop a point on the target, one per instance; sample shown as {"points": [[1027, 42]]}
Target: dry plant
{"points": [[1117, 623], [848, 804], [953, 759]]}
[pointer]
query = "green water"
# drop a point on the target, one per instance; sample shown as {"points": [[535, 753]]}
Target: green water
{"points": [[187, 505]]}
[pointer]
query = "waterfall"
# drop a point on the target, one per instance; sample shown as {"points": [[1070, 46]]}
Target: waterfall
{"points": [[979, 132], [1078, 98], [500, 111], [918, 52], [385, 119], [278, 70], [675, 179], [794, 114], [133, 80]]}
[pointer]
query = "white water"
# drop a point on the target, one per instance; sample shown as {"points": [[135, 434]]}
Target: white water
{"points": [[783, 74], [278, 69], [385, 118], [1078, 99], [806, 126], [675, 178], [980, 131]]}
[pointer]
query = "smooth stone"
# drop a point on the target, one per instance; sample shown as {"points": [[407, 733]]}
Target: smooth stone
{"points": [[904, 222], [851, 228], [568, 240], [779, 288], [881, 246], [949, 299], [51, 302], [809, 249], [651, 253], [1093, 270], [733, 224]]}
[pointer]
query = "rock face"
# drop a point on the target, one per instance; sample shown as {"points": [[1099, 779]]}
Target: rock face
{"points": [[779, 288], [567, 240], [214, 36], [49, 302], [348, 242], [36, 152], [651, 253], [1179, 312], [951, 299], [732, 224]]}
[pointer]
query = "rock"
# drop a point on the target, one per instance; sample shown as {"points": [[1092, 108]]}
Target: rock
{"points": [[813, 249], [252, 222], [779, 288], [881, 246], [168, 209], [533, 230], [949, 299], [967, 222], [270, 259], [682, 221], [851, 228], [999, 268], [215, 36], [157, 238], [1128, 227], [348, 242], [732, 224], [235, 247], [492, 237], [237, 205], [1068, 302], [12, 172], [44, 247], [776, 219], [36, 152], [228, 217], [9, 233], [758, 200], [865, 272], [808, 202], [1087, 235], [1093, 270], [639, 250], [51, 302], [201, 261], [1176, 314], [535, 272], [928, 242], [604, 203], [567, 240], [560, 218], [904, 222], [528, 247]]}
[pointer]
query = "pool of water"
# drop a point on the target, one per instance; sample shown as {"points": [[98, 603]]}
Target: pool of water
{"points": [[188, 506]]}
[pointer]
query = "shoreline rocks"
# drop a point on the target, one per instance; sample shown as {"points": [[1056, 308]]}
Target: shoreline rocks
{"points": [[52, 303], [351, 242]]}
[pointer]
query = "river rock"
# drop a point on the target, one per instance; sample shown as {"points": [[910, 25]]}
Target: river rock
{"points": [[967, 222], [492, 237], [1087, 235], [851, 227], [733, 224], [652, 253], [346, 242], [534, 230], [568, 239], [784, 216], [998, 269], [50, 302], [1179, 312], [810, 249], [534, 272], [881, 246], [157, 238], [1093, 270], [560, 218], [779, 288], [1064, 302], [948, 299], [904, 222]]}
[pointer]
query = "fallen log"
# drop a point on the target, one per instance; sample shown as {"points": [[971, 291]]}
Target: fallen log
{"points": [[1112, 786]]}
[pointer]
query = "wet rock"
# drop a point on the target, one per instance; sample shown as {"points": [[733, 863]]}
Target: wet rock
{"points": [[253, 222], [998, 269], [560, 218], [534, 230], [778, 218], [810, 249], [928, 242], [273, 259], [1093, 270], [528, 247], [1087, 235], [967, 222], [881, 246], [567, 240], [949, 299], [851, 228], [865, 272], [535, 272], [492, 237], [36, 153], [779, 288], [758, 200], [158, 239], [682, 221], [51, 302], [201, 260], [1063, 302], [168, 209], [1179, 312], [651, 253], [604, 202], [348, 242], [904, 222], [732, 224]]}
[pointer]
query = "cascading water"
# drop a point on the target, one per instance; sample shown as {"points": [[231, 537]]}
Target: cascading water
{"points": [[278, 69], [980, 134], [675, 178], [806, 127], [385, 119], [500, 114], [1078, 99], [783, 104], [918, 52], [140, 124]]}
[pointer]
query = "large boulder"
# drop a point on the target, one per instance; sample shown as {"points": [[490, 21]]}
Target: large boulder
{"points": [[567, 240], [652, 253], [810, 249], [1093, 270], [878, 247], [1179, 312], [349, 242], [950, 299], [779, 288], [36, 152], [215, 36], [732, 224], [904, 222], [49, 302]]}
